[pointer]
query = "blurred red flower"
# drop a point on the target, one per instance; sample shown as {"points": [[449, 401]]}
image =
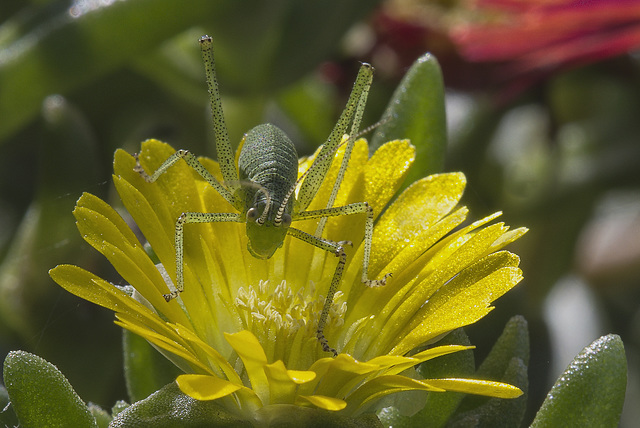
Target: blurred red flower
{"points": [[541, 36]]}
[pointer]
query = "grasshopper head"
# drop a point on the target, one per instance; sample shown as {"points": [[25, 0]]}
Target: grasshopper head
{"points": [[265, 237]]}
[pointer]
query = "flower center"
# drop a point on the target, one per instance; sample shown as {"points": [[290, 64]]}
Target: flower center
{"points": [[280, 312]]}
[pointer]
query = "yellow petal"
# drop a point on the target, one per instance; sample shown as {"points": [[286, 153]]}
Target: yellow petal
{"points": [[357, 161], [337, 376], [176, 191], [92, 202], [281, 387], [164, 341], [479, 387], [149, 220], [396, 319], [327, 403], [213, 356], [385, 172], [385, 385], [204, 387], [254, 359], [405, 266], [417, 208], [88, 286], [508, 238], [465, 307], [301, 376], [398, 364]]}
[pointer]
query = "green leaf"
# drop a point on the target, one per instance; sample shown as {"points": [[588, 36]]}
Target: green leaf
{"points": [[440, 406], [296, 416], [591, 390], [145, 369], [102, 417], [496, 412], [120, 406], [41, 396], [169, 407], [307, 104], [416, 111], [512, 344]]}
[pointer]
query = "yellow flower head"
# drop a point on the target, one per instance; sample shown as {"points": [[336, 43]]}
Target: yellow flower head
{"points": [[244, 329]]}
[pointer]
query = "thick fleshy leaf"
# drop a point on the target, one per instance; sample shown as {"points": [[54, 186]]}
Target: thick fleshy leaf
{"points": [[497, 412], [312, 417], [591, 391], [507, 362], [41, 395], [512, 343], [439, 406], [102, 417], [416, 112], [170, 407]]}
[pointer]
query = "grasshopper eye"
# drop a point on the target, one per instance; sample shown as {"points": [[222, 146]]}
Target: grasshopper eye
{"points": [[252, 214], [286, 220]]}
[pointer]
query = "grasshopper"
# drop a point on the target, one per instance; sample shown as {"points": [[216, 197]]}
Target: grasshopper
{"points": [[262, 186]]}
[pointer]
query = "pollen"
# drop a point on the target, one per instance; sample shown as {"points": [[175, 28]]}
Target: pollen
{"points": [[267, 310]]}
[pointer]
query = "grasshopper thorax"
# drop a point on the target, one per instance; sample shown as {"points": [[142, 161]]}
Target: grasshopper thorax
{"points": [[265, 237]]}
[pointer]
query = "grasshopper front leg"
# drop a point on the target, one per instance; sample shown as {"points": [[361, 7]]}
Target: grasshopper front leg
{"points": [[179, 242], [194, 163], [337, 249]]}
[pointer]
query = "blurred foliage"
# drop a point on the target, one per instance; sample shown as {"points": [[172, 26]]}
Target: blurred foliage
{"points": [[79, 79]]}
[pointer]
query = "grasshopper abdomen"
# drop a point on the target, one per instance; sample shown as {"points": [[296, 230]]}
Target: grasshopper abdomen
{"points": [[268, 169]]}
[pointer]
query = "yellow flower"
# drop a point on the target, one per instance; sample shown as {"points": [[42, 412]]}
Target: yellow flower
{"points": [[243, 330]]}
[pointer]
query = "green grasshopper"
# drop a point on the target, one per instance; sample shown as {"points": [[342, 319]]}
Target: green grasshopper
{"points": [[262, 187]]}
